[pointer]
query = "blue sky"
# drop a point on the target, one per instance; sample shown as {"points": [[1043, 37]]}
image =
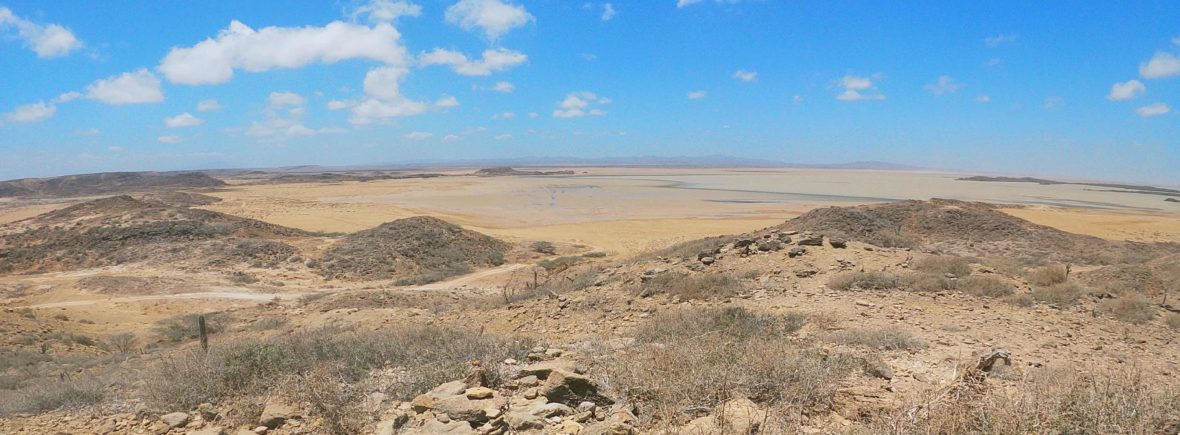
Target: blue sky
{"points": [[1072, 89]]}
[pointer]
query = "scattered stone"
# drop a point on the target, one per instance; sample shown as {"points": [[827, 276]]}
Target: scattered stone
{"points": [[811, 241], [175, 419], [737, 416], [277, 412], [838, 243], [880, 369], [796, 251], [480, 393], [571, 388], [708, 260], [805, 273], [769, 245]]}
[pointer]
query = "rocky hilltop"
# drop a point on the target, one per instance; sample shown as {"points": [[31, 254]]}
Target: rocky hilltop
{"points": [[106, 183]]}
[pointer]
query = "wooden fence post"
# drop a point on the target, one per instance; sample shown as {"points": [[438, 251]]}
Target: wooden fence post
{"points": [[204, 333]]}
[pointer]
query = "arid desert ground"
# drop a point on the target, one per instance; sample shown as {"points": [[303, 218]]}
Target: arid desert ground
{"points": [[609, 300]]}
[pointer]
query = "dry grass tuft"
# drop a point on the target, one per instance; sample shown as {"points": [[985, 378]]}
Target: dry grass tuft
{"points": [[985, 286], [698, 359], [1173, 321], [864, 281], [888, 338], [1131, 307], [1055, 401], [429, 355], [687, 286], [1063, 294], [1047, 276], [943, 265]]}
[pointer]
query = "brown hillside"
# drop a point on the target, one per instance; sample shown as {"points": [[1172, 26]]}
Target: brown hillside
{"points": [[417, 249], [107, 183], [121, 229]]}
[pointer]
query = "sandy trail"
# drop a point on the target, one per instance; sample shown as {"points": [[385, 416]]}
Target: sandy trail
{"points": [[244, 294]]}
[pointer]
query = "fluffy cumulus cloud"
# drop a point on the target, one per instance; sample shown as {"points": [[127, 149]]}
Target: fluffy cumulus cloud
{"points": [[384, 11], [168, 139], [1160, 66], [210, 105], [1126, 90], [498, 59], [447, 101], [1156, 109], [944, 85], [35, 112], [858, 88], [697, 95], [239, 47], [47, 40], [385, 101], [183, 120], [284, 114], [745, 76], [136, 87], [494, 17], [578, 104]]}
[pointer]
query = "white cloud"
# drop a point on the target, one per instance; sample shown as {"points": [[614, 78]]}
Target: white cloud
{"points": [[745, 76], [505, 115], [504, 87], [858, 88], [494, 17], [451, 138], [447, 101], [136, 87], [116, 149], [504, 136], [994, 41], [983, 99], [169, 139], [34, 112], [339, 104], [683, 3], [88, 132], [1054, 102], [183, 120], [697, 95], [284, 113], [1153, 110], [578, 104], [1176, 40], [1126, 90], [797, 99], [67, 97], [214, 60], [383, 86], [533, 115], [1160, 66], [944, 85], [418, 135], [498, 59], [384, 11], [608, 12], [210, 105], [47, 40]]}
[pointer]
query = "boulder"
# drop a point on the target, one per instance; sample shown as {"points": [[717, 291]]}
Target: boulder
{"points": [[620, 422], [796, 251], [737, 416], [838, 243], [571, 389], [435, 427], [708, 260], [175, 419], [277, 412], [211, 430], [451, 399], [769, 245], [808, 240]]}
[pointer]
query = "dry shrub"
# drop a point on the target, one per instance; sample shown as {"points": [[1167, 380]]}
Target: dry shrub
{"points": [[928, 282], [1047, 276], [864, 281], [428, 356], [1131, 307], [1173, 321], [985, 286], [693, 286], [1064, 294], [698, 359], [179, 328], [559, 284], [1058, 401], [942, 265], [48, 395], [1021, 300], [730, 321], [124, 342], [690, 249], [888, 338]]}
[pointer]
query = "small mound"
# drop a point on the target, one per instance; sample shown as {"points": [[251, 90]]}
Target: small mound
{"points": [[107, 183], [180, 199], [964, 228], [418, 249], [121, 229]]}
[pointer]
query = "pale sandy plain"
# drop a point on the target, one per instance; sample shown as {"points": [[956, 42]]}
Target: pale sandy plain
{"points": [[627, 210]]}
